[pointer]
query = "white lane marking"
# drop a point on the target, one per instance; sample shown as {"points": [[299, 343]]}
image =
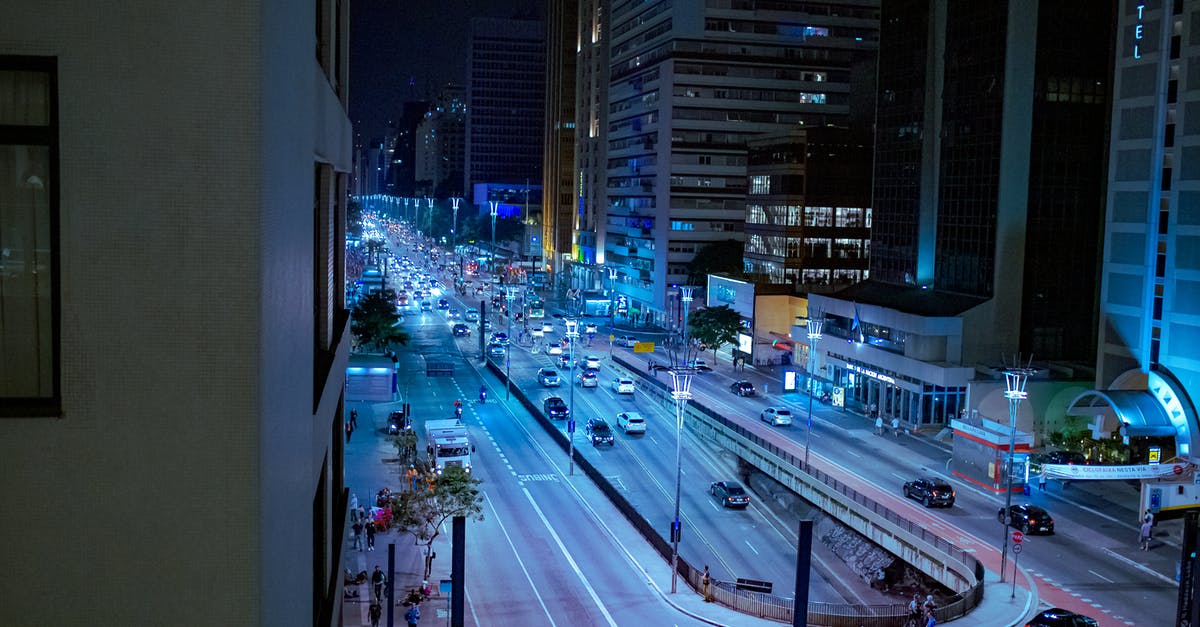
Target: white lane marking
{"points": [[517, 555], [1101, 576], [850, 451], [899, 476], [751, 547], [570, 560], [471, 605]]}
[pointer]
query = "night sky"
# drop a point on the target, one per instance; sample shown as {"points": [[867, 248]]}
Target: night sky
{"points": [[393, 41]]}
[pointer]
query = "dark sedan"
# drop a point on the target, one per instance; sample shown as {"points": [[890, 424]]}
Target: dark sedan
{"points": [[461, 330], [742, 388], [598, 432], [1058, 617], [729, 493], [1027, 518], [556, 408], [930, 491]]}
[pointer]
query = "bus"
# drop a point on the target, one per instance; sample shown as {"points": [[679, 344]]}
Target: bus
{"points": [[535, 309]]}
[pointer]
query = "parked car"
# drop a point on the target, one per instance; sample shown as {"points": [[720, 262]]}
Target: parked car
{"points": [[1027, 518], [930, 491], [777, 416], [598, 432], [1058, 617], [622, 386], [589, 379], [496, 350], [626, 340], [548, 377], [556, 408], [631, 422], [742, 388], [729, 493], [1061, 457], [461, 330]]}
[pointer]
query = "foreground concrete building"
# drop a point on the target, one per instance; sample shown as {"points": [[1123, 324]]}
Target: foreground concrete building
{"points": [[173, 339]]}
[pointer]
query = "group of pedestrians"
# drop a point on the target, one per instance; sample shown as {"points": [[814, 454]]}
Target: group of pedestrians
{"points": [[364, 530], [922, 613]]}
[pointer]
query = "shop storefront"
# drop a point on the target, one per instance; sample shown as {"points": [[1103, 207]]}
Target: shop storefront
{"points": [[894, 394]]}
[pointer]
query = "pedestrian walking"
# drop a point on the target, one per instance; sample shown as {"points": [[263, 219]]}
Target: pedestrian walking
{"points": [[1144, 534], [377, 581], [357, 528], [413, 615], [370, 527], [375, 613], [914, 609], [878, 426], [1149, 515], [895, 427], [705, 583], [353, 418], [1042, 481], [930, 617], [349, 430]]}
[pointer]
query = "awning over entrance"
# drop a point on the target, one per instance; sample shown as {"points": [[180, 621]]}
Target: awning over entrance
{"points": [[780, 341], [1138, 409]]}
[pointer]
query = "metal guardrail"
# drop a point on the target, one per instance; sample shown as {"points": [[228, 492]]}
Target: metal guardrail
{"points": [[780, 608]]}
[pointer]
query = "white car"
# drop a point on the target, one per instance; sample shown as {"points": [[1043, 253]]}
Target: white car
{"points": [[631, 422], [591, 361], [777, 416], [626, 340], [547, 327], [554, 349], [623, 386], [537, 332]]}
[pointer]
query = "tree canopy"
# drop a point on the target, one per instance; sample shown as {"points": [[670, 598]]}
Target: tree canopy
{"points": [[373, 322], [716, 257], [421, 512], [715, 327]]}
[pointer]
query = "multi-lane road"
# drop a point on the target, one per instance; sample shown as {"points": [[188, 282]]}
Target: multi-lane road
{"points": [[557, 532]]}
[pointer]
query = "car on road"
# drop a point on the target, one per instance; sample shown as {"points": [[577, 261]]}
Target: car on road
{"points": [[626, 340], [556, 408], [537, 332], [548, 377], [742, 388], [930, 491], [700, 365], [426, 306], [729, 493], [397, 422], [496, 350], [1058, 617], [443, 304], [554, 349], [631, 422], [472, 315], [598, 432], [461, 330], [547, 327], [1028, 518], [589, 379], [500, 337], [487, 323], [591, 361], [777, 416], [622, 386], [453, 314]]}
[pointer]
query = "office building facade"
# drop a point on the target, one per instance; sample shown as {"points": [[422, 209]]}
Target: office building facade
{"points": [[558, 178], [173, 340], [506, 82], [687, 88], [441, 144], [583, 265]]}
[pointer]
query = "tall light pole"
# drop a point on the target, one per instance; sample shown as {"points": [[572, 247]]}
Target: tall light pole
{"points": [[494, 204], [815, 322], [429, 203], [685, 299], [572, 334], [681, 383], [1014, 383], [510, 293], [406, 208], [612, 305]]}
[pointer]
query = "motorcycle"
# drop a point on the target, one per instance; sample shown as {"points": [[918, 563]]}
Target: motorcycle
{"points": [[458, 411], [482, 396]]}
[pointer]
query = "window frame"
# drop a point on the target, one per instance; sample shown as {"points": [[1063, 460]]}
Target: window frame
{"points": [[47, 136]]}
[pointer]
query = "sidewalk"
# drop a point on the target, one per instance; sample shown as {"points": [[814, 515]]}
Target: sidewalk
{"points": [[369, 467]]}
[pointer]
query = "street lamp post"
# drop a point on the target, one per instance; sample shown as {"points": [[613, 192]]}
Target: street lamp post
{"points": [[572, 334], [612, 305], [454, 232], [510, 293], [494, 205], [681, 384], [685, 299], [429, 203], [1014, 383], [815, 322]]}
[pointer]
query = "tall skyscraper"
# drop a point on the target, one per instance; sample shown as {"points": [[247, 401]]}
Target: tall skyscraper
{"points": [[441, 143], [687, 88], [173, 337], [988, 201], [558, 180], [506, 71], [1148, 371]]}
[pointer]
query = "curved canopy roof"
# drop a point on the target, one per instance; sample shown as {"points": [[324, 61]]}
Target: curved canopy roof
{"points": [[1143, 414]]}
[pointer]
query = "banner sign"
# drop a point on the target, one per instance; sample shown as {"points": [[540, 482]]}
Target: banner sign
{"points": [[1148, 471]]}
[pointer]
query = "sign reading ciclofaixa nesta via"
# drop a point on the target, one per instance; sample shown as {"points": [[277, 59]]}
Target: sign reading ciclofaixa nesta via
{"points": [[1079, 471]]}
